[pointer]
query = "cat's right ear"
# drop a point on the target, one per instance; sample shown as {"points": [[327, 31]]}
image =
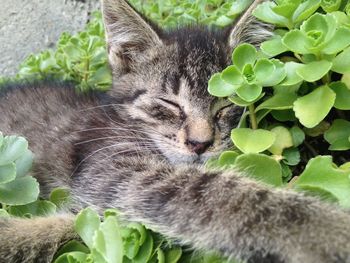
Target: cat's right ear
{"points": [[128, 35]]}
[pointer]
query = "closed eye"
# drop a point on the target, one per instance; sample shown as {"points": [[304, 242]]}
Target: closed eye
{"points": [[171, 103], [221, 112], [181, 113]]}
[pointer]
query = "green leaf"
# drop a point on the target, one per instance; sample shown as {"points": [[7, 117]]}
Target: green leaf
{"points": [[305, 9], [314, 70], [281, 100], [227, 158], [330, 5], [338, 135], [86, 224], [12, 148], [219, 88], [244, 54], [265, 13], [291, 156], [276, 76], [321, 173], [260, 167], [297, 41], [298, 136], [232, 76], [108, 241], [146, 250], [312, 108], [283, 140], [252, 141], [60, 197], [339, 42], [37, 208], [342, 99], [273, 47], [341, 63], [262, 69], [248, 92], [292, 78], [72, 257], [71, 246], [173, 255], [7, 173], [21, 191], [24, 163]]}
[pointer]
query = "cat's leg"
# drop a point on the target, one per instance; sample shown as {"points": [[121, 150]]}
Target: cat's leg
{"points": [[229, 213], [34, 240]]}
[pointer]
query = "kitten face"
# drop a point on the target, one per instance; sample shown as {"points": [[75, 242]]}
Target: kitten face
{"points": [[161, 79], [185, 123]]}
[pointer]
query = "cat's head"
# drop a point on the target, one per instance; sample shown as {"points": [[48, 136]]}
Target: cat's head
{"points": [[161, 77]]}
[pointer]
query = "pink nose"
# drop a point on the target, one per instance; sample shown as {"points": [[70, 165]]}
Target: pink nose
{"points": [[198, 147]]}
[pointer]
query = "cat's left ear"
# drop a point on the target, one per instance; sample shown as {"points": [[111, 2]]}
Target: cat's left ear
{"points": [[248, 29]]}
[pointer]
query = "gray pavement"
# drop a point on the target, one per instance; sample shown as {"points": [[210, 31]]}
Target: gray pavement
{"points": [[29, 26]]}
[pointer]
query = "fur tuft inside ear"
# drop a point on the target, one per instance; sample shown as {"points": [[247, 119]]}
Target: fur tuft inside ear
{"points": [[128, 34], [249, 29]]}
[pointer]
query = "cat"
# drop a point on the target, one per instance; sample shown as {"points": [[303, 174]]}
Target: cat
{"points": [[141, 148]]}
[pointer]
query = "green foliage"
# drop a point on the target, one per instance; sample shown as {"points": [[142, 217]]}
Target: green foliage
{"points": [[295, 100], [112, 241]]}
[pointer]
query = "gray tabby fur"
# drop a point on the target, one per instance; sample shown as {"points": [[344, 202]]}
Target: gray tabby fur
{"points": [[135, 149]]}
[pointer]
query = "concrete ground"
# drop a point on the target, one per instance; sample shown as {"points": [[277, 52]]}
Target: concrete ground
{"points": [[29, 26]]}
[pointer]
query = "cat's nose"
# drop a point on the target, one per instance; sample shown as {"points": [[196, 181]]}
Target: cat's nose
{"points": [[198, 147]]}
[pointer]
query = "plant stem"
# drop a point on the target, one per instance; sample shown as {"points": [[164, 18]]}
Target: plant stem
{"points": [[87, 67], [252, 117]]}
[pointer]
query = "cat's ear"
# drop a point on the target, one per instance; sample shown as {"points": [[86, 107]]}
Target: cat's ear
{"points": [[248, 29], [128, 34]]}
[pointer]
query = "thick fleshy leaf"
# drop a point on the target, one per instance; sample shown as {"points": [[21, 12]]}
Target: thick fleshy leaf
{"points": [[282, 99], [263, 70], [240, 102], [21, 191], [305, 9], [297, 41], [292, 78], [108, 241], [219, 88], [260, 167], [244, 54], [273, 47], [276, 76], [60, 197], [248, 92], [37, 208], [330, 5], [312, 108], [12, 148], [298, 136], [232, 75], [342, 100], [291, 156], [173, 255], [338, 135], [265, 13], [72, 257], [314, 71], [339, 42], [283, 140], [341, 63], [321, 173], [145, 252], [7, 173], [86, 224], [24, 163], [252, 141], [228, 158]]}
